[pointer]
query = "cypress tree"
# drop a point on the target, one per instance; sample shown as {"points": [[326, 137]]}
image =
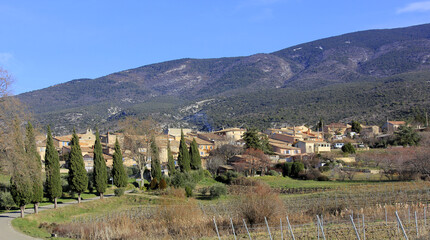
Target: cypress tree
{"points": [[170, 161], [183, 156], [21, 189], [196, 161], [99, 171], [35, 165], [21, 183], [53, 186], [155, 161], [118, 171], [78, 179]]}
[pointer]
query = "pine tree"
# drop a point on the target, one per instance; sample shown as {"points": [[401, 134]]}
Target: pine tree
{"points": [[118, 171], [183, 155], [78, 179], [196, 161], [99, 171], [35, 165], [53, 186], [170, 161], [155, 161], [252, 140]]}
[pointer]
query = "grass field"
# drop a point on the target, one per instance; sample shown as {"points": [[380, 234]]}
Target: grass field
{"points": [[30, 225], [45, 202], [287, 182]]}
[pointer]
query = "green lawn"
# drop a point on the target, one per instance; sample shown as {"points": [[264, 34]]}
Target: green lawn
{"points": [[85, 195], [30, 224], [207, 182], [287, 182]]}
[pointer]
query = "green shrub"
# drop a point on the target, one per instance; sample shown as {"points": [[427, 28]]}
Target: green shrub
{"points": [[197, 175], [296, 168], [217, 190], [227, 177], [348, 148], [323, 178], [188, 191], [132, 171], [6, 201], [180, 179], [90, 182], [325, 168], [118, 192], [272, 173], [286, 169], [204, 190], [207, 174]]}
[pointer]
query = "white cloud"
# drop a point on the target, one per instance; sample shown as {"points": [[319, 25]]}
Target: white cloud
{"points": [[5, 58], [415, 7]]}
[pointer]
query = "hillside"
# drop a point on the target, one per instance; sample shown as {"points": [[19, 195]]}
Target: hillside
{"points": [[368, 75]]}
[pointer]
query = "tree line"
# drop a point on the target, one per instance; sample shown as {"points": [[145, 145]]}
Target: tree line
{"points": [[27, 183]]}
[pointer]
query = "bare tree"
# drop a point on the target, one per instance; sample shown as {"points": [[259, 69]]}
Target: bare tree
{"points": [[259, 161], [213, 163], [5, 82], [137, 140], [220, 156], [11, 110]]}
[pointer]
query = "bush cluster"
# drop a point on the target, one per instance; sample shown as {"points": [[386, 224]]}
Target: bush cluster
{"points": [[227, 177], [292, 169], [119, 192], [217, 190], [187, 180], [214, 191]]}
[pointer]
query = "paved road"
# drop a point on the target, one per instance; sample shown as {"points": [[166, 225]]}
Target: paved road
{"points": [[7, 232]]}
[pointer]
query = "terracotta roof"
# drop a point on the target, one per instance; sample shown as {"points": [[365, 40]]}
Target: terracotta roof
{"points": [[199, 141], [284, 146], [228, 167], [310, 141], [337, 125], [66, 138], [211, 136], [397, 122], [230, 130]]}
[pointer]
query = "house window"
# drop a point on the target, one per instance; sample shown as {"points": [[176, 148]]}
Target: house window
{"points": [[201, 153]]}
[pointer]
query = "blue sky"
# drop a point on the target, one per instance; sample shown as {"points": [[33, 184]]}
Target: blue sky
{"points": [[44, 43]]}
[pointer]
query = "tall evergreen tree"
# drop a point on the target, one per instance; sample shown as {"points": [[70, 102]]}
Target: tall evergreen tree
{"points": [[183, 155], [252, 139], [53, 186], [355, 126], [99, 171], [196, 161], [118, 171], [170, 161], [35, 165], [21, 188], [21, 183], [155, 161], [78, 179]]}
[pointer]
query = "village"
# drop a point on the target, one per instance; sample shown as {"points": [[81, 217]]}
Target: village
{"points": [[288, 144]]}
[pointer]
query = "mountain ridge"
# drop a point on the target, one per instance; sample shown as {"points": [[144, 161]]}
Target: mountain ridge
{"points": [[366, 57]]}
